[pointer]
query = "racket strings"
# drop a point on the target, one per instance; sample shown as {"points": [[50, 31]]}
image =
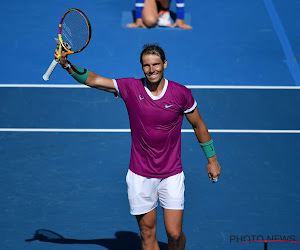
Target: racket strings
{"points": [[75, 30]]}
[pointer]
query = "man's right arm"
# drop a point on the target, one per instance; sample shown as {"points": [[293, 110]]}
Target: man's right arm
{"points": [[99, 82], [91, 79]]}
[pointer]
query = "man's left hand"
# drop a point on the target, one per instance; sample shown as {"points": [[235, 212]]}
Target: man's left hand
{"points": [[213, 169]]}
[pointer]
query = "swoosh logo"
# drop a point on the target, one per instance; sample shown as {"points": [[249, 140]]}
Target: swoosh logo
{"points": [[168, 106], [141, 98]]}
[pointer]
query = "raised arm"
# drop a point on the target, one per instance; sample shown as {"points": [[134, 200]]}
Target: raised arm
{"points": [[85, 76]]}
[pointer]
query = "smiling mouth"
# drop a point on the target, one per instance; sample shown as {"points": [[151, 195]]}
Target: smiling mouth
{"points": [[152, 76]]}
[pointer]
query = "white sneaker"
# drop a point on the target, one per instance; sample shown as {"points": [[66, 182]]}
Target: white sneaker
{"points": [[164, 18]]}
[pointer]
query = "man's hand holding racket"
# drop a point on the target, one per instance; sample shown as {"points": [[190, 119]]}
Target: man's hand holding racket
{"points": [[61, 58]]}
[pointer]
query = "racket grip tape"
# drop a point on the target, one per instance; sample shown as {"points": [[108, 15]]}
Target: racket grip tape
{"points": [[49, 71]]}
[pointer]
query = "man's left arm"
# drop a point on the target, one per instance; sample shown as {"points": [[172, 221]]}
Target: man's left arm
{"points": [[204, 138]]}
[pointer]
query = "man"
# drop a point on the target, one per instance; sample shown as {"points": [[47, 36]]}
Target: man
{"points": [[148, 13], [156, 108]]}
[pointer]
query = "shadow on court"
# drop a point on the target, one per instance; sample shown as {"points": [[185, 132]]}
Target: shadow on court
{"points": [[123, 240]]}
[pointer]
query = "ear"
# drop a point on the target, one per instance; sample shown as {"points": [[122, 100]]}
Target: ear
{"points": [[165, 63]]}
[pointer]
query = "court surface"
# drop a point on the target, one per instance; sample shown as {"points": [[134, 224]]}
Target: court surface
{"points": [[65, 148]]}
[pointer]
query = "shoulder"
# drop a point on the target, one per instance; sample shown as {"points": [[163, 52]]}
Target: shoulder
{"points": [[183, 95], [127, 79], [127, 82], [125, 86], [179, 88]]}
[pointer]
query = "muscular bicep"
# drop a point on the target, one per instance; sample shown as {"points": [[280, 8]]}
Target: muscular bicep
{"points": [[100, 82]]}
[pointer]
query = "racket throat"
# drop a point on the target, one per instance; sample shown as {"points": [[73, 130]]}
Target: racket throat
{"points": [[65, 46]]}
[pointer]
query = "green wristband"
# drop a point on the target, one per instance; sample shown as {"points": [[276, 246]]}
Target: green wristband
{"points": [[208, 149], [80, 74]]}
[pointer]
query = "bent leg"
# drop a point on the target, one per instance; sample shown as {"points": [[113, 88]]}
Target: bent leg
{"points": [[147, 225], [151, 9], [173, 224], [150, 13]]}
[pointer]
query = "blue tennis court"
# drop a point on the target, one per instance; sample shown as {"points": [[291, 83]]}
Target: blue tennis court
{"points": [[65, 148]]}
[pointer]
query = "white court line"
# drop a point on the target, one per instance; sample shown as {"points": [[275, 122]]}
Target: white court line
{"points": [[71, 130], [239, 87], [65, 130], [128, 130], [65, 86], [80, 86]]}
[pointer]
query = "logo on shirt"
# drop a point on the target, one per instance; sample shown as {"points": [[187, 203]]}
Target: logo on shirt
{"points": [[168, 106], [141, 98]]}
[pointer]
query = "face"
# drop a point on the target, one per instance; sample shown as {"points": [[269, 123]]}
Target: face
{"points": [[153, 68]]}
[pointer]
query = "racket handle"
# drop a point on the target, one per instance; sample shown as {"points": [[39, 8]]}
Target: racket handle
{"points": [[49, 71]]}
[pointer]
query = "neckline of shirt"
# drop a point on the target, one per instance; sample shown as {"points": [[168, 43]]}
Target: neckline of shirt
{"points": [[153, 97]]}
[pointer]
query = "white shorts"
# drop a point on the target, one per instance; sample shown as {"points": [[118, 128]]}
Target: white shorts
{"points": [[144, 193]]}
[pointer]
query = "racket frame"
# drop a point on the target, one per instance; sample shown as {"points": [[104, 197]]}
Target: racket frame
{"points": [[61, 42], [61, 45]]}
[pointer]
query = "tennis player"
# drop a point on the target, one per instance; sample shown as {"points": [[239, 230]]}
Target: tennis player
{"points": [[148, 13], [156, 108]]}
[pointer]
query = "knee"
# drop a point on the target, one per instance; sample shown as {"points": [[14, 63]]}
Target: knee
{"points": [[150, 21], [148, 233], [176, 240], [176, 235]]}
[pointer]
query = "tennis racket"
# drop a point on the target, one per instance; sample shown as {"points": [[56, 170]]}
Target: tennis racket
{"points": [[74, 34]]}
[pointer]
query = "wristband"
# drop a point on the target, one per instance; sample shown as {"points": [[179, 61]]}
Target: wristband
{"points": [[179, 9], [208, 149], [80, 74], [139, 5]]}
